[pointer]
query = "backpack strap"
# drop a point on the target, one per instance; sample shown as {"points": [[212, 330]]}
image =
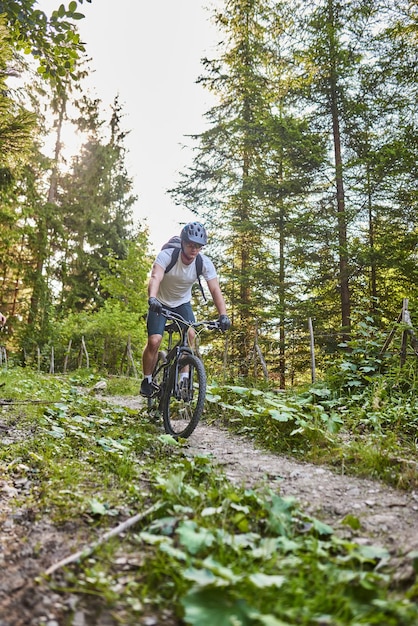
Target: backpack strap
{"points": [[173, 260], [199, 267]]}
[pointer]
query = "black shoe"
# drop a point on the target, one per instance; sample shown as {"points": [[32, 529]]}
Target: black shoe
{"points": [[148, 389]]}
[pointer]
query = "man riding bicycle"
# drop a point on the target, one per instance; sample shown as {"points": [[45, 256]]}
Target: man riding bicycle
{"points": [[173, 291]]}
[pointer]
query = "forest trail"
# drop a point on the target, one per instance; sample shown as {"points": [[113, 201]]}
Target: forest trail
{"points": [[29, 544], [388, 517]]}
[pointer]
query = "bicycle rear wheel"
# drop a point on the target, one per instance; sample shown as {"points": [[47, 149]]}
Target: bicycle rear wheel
{"points": [[182, 408]]}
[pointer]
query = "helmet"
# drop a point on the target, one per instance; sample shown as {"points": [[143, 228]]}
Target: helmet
{"points": [[194, 232]]}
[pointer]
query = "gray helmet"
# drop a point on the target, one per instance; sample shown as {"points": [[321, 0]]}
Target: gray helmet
{"points": [[194, 232]]}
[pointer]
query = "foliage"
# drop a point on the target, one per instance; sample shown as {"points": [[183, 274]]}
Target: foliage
{"points": [[209, 553], [296, 224], [306, 171], [284, 422], [17, 125], [359, 418], [364, 407], [53, 40], [107, 335], [125, 281]]}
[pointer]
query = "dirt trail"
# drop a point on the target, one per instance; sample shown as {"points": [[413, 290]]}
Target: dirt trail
{"points": [[388, 517], [28, 545]]}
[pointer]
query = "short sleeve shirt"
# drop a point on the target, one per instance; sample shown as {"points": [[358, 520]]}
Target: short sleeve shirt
{"points": [[176, 286]]}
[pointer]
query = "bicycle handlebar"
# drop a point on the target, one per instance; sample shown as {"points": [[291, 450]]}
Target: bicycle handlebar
{"points": [[176, 317]]}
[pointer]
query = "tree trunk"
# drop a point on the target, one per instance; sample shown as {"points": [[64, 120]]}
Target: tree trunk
{"points": [[341, 213]]}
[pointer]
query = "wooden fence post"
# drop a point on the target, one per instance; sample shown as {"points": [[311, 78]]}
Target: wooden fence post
{"points": [[67, 356], [225, 358], [405, 317], [259, 354], [83, 350], [312, 348], [130, 363], [3, 357], [52, 363]]}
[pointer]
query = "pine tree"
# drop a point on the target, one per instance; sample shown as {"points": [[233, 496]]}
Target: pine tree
{"points": [[252, 170], [95, 203]]}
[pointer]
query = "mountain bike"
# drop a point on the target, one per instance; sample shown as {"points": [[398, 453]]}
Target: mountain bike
{"points": [[179, 400]]}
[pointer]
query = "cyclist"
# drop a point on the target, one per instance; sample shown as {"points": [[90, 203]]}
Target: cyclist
{"points": [[173, 290]]}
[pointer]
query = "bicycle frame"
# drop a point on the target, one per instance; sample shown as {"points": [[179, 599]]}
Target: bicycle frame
{"points": [[173, 354], [166, 376]]}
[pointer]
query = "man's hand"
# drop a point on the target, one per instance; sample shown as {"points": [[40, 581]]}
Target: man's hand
{"points": [[224, 323], [155, 305]]}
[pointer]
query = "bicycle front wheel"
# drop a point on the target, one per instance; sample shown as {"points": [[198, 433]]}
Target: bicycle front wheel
{"points": [[182, 405]]}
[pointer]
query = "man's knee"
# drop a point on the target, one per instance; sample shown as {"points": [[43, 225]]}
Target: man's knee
{"points": [[154, 342]]}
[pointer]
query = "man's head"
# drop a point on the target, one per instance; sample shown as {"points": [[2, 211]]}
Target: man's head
{"points": [[194, 232]]}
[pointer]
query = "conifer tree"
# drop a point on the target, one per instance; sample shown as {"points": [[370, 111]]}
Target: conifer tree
{"points": [[251, 166], [96, 207]]}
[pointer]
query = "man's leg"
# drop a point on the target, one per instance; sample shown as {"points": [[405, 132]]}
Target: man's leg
{"points": [[149, 359], [185, 310], [155, 328], [150, 354]]}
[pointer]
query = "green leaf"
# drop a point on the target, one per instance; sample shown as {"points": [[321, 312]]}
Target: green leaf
{"points": [[321, 392], [352, 521], [372, 553], [152, 539], [211, 510], [261, 580], [267, 620], [212, 606], [57, 432], [280, 416], [97, 508], [238, 390], [321, 527], [220, 570], [202, 577], [194, 538], [172, 551], [212, 397]]}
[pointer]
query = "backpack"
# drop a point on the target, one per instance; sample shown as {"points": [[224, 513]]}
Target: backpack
{"points": [[174, 243]]}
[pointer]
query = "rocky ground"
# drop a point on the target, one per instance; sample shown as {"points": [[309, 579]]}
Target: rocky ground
{"points": [[388, 518]]}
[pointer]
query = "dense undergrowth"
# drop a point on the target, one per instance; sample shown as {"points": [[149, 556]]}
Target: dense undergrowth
{"points": [[207, 552], [362, 417], [371, 432]]}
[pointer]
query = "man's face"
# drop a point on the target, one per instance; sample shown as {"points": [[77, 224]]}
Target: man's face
{"points": [[191, 250]]}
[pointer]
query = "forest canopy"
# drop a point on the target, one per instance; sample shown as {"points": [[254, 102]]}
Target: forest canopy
{"points": [[306, 173]]}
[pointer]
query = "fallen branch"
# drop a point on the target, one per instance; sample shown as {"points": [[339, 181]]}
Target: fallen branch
{"points": [[398, 459], [4, 402], [81, 554]]}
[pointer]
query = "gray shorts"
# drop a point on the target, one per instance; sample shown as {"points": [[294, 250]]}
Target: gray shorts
{"points": [[156, 323]]}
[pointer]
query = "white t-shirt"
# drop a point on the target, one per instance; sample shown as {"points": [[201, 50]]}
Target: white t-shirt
{"points": [[176, 286]]}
